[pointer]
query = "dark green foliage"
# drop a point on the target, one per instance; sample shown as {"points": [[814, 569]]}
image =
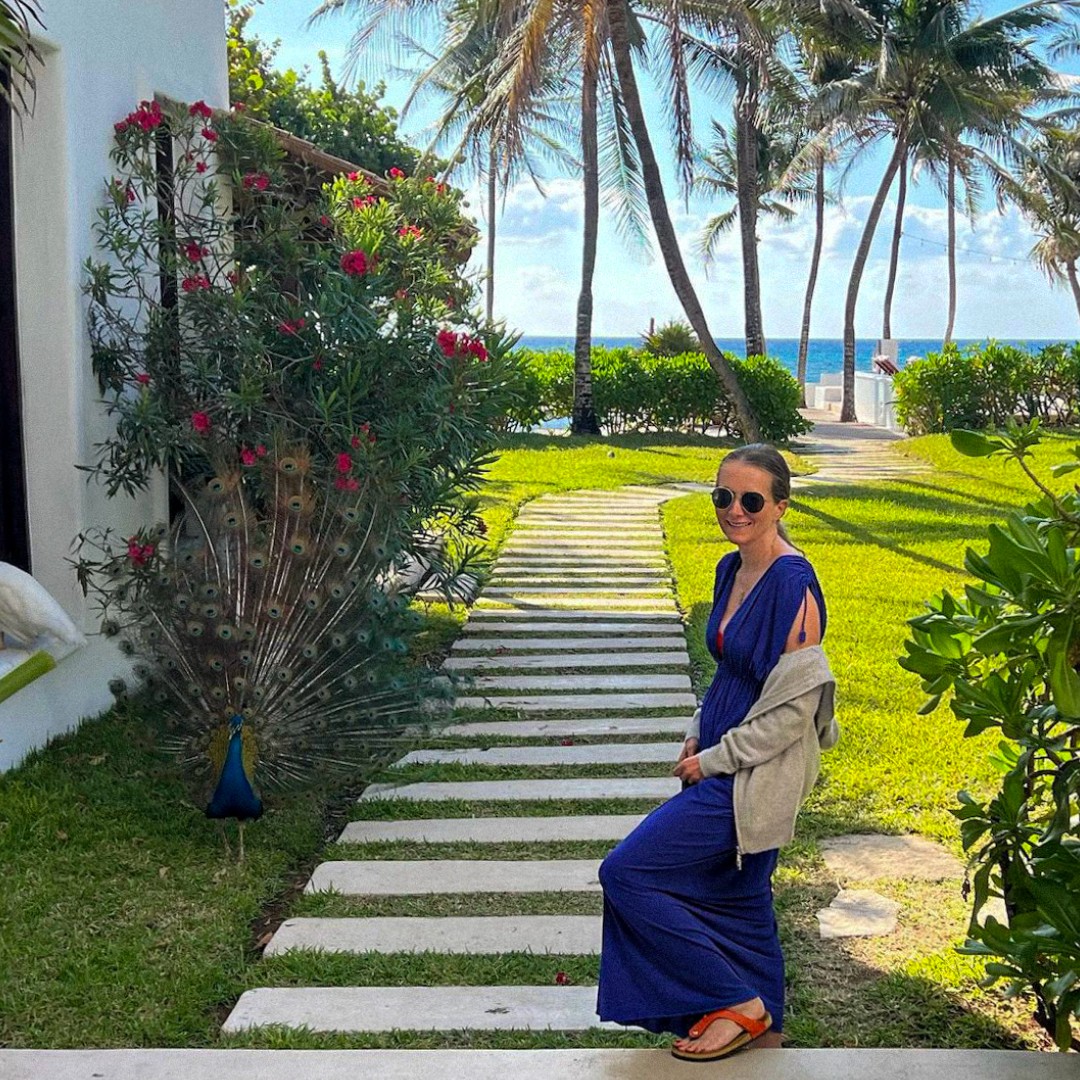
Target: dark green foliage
{"points": [[350, 124], [671, 339], [981, 386], [636, 391], [1009, 650]]}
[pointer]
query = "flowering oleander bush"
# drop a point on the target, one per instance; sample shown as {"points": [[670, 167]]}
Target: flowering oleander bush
{"points": [[280, 356], [637, 390]]}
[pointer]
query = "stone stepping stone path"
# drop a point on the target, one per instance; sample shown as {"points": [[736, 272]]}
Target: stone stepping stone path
{"points": [[578, 626], [858, 913]]}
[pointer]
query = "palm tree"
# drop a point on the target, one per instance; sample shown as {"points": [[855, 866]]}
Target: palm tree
{"points": [[17, 53], [777, 188], [940, 73]]}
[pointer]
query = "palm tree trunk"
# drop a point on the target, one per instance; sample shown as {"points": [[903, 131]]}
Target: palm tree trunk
{"points": [[746, 188], [811, 281], [491, 194], [583, 421], [665, 231], [894, 254], [950, 200], [847, 411], [1070, 273]]}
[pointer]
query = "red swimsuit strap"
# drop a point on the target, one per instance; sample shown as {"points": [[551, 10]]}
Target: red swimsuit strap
{"points": [[719, 640]]}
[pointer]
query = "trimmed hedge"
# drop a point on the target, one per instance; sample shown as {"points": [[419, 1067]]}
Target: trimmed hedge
{"points": [[982, 386], [635, 391]]}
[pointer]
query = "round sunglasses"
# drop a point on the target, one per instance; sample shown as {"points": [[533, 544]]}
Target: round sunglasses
{"points": [[753, 502]]}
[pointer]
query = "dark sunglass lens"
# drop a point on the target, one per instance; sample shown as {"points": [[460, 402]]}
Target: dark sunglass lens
{"points": [[722, 497], [753, 502]]}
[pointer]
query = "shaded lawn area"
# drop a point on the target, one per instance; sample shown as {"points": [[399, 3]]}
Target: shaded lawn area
{"points": [[124, 922]]}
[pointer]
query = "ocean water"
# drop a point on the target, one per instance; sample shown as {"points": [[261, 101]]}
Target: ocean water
{"points": [[824, 355]]}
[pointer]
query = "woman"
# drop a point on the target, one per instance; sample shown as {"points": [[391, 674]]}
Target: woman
{"points": [[690, 938]]}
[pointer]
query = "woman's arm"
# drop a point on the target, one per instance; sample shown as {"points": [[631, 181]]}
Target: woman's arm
{"points": [[806, 629]]}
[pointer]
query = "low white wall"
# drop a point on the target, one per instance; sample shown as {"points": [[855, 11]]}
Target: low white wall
{"points": [[100, 59]]}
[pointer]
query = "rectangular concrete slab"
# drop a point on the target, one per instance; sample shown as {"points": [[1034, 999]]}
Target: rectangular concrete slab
{"points": [[419, 1008], [561, 729], [638, 604], [579, 702], [585, 562], [563, 588], [844, 1064], [571, 935], [545, 626], [586, 754], [582, 682], [594, 583], [493, 830], [613, 643], [574, 660], [574, 616], [608, 787], [381, 877]]}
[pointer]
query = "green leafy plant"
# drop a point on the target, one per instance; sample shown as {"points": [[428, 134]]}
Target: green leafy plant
{"points": [[309, 378], [671, 339], [1009, 650]]}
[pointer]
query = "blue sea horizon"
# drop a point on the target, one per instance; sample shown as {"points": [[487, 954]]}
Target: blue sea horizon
{"points": [[824, 355]]}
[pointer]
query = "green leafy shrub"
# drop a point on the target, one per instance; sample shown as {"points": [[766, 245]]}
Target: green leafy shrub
{"points": [[1009, 650], [671, 339], [984, 386], [636, 391]]}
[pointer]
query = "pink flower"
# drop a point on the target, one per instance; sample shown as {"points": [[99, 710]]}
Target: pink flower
{"points": [[238, 106], [291, 328], [200, 167], [440, 189], [232, 277], [566, 742], [344, 462], [209, 134], [429, 179], [347, 483], [260, 450], [195, 283], [248, 457], [256, 181], [401, 294], [139, 554], [200, 421], [353, 177], [447, 342], [324, 220], [200, 108], [356, 262], [396, 174], [410, 231], [142, 379], [316, 364], [359, 203], [147, 116], [562, 979], [120, 127], [354, 442], [195, 252]]}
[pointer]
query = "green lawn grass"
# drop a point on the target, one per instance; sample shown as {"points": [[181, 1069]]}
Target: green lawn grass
{"points": [[123, 922]]}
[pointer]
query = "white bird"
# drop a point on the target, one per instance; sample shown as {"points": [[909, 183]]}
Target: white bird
{"points": [[31, 618]]}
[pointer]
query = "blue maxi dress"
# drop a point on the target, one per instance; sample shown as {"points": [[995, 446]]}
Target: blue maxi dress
{"points": [[689, 925]]}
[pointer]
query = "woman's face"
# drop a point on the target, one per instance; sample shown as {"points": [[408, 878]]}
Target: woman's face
{"points": [[739, 526]]}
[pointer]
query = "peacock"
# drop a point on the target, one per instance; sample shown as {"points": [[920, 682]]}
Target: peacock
{"points": [[266, 627]]}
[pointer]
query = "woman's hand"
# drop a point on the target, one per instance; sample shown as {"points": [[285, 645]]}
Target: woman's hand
{"points": [[688, 767]]}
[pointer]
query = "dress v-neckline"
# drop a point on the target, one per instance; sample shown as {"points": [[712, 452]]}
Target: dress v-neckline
{"points": [[722, 629]]}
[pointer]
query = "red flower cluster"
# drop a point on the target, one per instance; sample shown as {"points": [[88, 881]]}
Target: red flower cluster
{"points": [[562, 979], [200, 421], [325, 221], [200, 108], [142, 379], [238, 106], [343, 481], [353, 177], [291, 327], [124, 190], [411, 230], [256, 181], [195, 283], [200, 167], [139, 554], [365, 430], [396, 174], [209, 134], [454, 345], [440, 188], [147, 117], [195, 252], [248, 457], [359, 202], [357, 262]]}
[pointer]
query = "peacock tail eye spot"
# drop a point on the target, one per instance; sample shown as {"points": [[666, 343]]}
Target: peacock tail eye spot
{"points": [[211, 611], [380, 551], [210, 591], [289, 704], [350, 514], [182, 601], [295, 504], [152, 633], [258, 693], [215, 663], [397, 683], [338, 592], [323, 694], [215, 485], [298, 545], [193, 691], [117, 687], [257, 559], [109, 628], [363, 637], [339, 641], [371, 678], [232, 520], [247, 657], [160, 530], [343, 549], [140, 671], [273, 611], [188, 558], [350, 682], [140, 607], [313, 602], [195, 629], [217, 693], [283, 675], [240, 682], [225, 632], [247, 632], [160, 697], [309, 652], [126, 647], [169, 664], [288, 465]]}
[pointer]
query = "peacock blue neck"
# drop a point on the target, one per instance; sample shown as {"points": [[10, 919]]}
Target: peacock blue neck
{"points": [[234, 796]]}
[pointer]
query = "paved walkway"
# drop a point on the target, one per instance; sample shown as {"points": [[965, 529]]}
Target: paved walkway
{"points": [[852, 453]]}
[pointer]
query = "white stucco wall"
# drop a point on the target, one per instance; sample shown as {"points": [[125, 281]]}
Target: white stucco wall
{"points": [[101, 57]]}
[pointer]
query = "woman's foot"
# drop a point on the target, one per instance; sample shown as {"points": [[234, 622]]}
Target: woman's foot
{"points": [[721, 1032]]}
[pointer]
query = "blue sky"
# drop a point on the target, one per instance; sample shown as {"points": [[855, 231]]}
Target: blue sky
{"points": [[1001, 294]]}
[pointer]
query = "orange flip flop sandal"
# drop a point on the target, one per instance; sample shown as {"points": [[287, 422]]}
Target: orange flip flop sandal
{"points": [[751, 1029]]}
